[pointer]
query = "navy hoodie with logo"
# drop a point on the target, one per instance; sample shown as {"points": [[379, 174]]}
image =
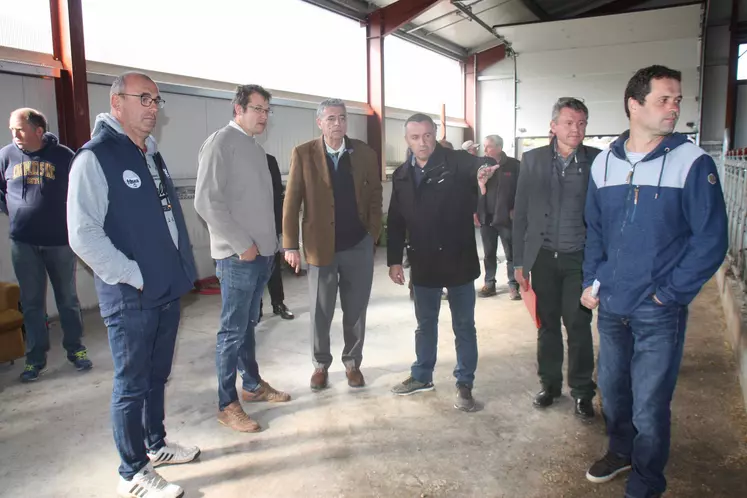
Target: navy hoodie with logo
{"points": [[655, 227], [33, 192]]}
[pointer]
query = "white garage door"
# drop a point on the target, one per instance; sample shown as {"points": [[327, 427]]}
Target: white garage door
{"points": [[593, 59]]}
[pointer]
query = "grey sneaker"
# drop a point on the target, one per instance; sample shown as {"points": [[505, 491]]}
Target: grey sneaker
{"points": [[411, 386], [464, 400]]}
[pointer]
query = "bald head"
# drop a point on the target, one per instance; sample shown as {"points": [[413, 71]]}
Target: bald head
{"points": [[27, 127], [135, 102]]}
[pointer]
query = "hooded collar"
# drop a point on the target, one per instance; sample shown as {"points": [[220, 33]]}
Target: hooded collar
{"points": [[106, 120], [49, 140], [670, 142]]}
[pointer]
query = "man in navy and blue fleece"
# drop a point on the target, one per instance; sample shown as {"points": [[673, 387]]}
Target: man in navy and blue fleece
{"points": [[33, 192], [656, 233], [126, 223]]}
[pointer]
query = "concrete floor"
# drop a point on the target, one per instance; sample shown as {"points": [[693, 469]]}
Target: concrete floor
{"points": [[55, 435]]}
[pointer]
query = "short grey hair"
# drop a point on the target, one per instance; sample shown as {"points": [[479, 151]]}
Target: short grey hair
{"points": [[496, 139], [120, 82], [420, 118], [329, 103], [569, 103]]}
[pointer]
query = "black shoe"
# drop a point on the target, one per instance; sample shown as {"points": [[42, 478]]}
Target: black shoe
{"points": [[608, 468], [464, 400], [584, 409], [283, 311], [545, 398]]}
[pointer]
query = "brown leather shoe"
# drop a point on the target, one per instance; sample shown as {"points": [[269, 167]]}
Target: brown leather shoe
{"points": [[265, 393], [355, 377], [319, 379], [233, 416]]}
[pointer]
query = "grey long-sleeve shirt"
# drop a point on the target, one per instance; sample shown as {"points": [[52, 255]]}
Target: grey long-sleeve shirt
{"points": [[234, 194]]}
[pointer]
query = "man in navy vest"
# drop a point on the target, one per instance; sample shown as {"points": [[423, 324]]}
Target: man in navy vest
{"points": [[125, 222]]}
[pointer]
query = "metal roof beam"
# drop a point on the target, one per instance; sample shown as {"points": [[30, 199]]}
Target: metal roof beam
{"points": [[397, 14]]}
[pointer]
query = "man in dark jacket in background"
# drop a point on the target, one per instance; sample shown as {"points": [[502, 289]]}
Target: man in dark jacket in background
{"points": [[549, 236], [433, 201], [275, 284], [33, 192], [495, 212]]}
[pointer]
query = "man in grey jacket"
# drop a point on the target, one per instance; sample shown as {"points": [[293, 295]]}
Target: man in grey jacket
{"points": [[548, 242], [234, 196]]}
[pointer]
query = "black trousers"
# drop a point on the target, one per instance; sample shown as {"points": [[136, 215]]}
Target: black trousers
{"points": [[490, 235], [557, 279], [275, 284]]}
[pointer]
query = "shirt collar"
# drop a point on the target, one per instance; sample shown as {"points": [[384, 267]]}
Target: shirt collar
{"points": [[559, 157], [332, 151], [235, 125]]}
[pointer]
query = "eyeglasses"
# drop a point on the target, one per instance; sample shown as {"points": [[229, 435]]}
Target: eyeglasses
{"points": [[260, 110], [146, 100]]}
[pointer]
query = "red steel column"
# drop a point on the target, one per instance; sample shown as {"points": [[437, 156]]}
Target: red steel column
{"points": [[71, 88], [470, 97], [376, 121], [472, 66]]}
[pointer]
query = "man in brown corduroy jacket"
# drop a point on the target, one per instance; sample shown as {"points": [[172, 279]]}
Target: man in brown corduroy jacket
{"points": [[337, 182]]}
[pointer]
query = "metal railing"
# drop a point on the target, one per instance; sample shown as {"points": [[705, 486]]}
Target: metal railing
{"points": [[733, 170]]}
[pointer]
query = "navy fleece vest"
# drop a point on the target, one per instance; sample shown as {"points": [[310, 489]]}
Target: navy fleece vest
{"points": [[136, 226]]}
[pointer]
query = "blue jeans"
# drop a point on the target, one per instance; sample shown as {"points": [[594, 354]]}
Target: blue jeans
{"points": [[427, 307], [32, 264], [242, 284], [639, 360], [142, 344]]}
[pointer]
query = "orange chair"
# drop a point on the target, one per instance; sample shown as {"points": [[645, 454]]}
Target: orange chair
{"points": [[12, 346]]}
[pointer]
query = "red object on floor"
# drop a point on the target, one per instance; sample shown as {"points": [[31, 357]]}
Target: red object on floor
{"points": [[530, 300], [207, 286]]}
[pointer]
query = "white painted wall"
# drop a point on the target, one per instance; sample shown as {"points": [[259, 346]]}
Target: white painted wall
{"points": [[592, 59], [496, 115]]}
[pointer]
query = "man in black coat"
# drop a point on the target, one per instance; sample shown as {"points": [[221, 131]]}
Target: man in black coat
{"points": [[275, 284], [434, 197], [495, 212], [549, 238]]}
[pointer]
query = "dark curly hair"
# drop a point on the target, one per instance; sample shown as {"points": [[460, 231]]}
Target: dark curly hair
{"points": [[639, 85]]}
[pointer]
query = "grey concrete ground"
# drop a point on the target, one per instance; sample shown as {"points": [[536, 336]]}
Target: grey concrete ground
{"points": [[55, 435]]}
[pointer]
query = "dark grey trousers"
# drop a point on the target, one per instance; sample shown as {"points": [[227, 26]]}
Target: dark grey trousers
{"points": [[352, 273]]}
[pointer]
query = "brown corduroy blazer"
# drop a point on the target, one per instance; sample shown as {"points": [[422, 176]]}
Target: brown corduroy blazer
{"points": [[310, 187]]}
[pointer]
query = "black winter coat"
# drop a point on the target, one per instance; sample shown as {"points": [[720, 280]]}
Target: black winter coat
{"points": [[435, 220], [501, 189]]}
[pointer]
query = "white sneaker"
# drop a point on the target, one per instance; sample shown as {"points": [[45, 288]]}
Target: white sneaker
{"points": [[148, 484], [172, 453]]}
